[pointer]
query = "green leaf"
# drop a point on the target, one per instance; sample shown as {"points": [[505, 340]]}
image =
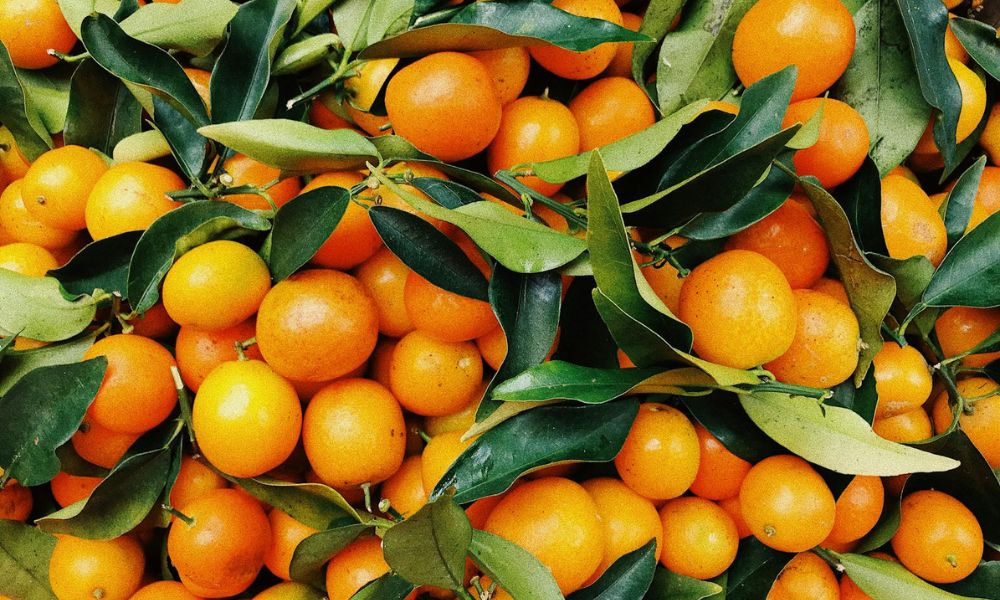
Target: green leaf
{"points": [[314, 504], [958, 205], [911, 275], [311, 555], [102, 111], [446, 193], [24, 561], [656, 21], [387, 587], [295, 148], [36, 308], [428, 252], [175, 233], [861, 400], [754, 570], [304, 55], [880, 84], [835, 438], [584, 339], [980, 41], [668, 585], [537, 438], [76, 10], [101, 265], [17, 112], [429, 547], [243, 70], [629, 577], [723, 416], [696, 58], [48, 91], [969, 275], [192, 26], [17, 364], [310, 9], [144, 146], [557, 380], [860, 196], [190, 148], [71, 462], [302, 225], [984, 582], [884, 529], [489, 25], [41, 412], [388, 17], [513, 568], [350, 18], [887, 579]]}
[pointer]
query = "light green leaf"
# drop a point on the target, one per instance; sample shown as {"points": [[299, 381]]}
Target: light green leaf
{"points": [[194, 26], [24, 561], [513, 568], [35, 307], [76, 10], [887, 580], [49, 93]]}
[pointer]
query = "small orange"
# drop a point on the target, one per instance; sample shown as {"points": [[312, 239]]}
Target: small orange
{"points": [[363, 88], [509, 68], [164, 590], [962, 328], [973, 108], [910, 223], [842, 144], [354, 240], [659, 459], [384, 275], [438, 456], [199, 351], [732, 508], [405, 489], [832, 288], [911, 426], [665, 279], [22, 226], [432, 377], [493, 347], [201, 80], [629, 521], [27, 259], [443, 314], [154, 323], [980, 418], [110, 570], [12, 162], [700, 539], [247, 171], [69, 489], [30, 28], [805, 577], [354, 566], [380, 363], [16, 501], [286, 533], [902, 379], [58, 183], [129, 197], [101, 446], [289, 590], [720, 472], [610, 109], [193, 481], [459, 421], [952, 47], [938, 539], [989, 140], [621, 64], [987, 200], [588, 63], [321, 116], [858, 509]]}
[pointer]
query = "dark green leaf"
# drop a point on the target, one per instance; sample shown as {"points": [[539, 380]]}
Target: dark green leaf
{"points": [[984, 582], [513, 568], [36, 308], [754, 570], [429, 252], [446, 193], [721, 414], [41, 412], [671, 586], [175, 233], [861, 198], [17, 364], [70, 462], [980, 41], [387, 587], [961, 198], [861, 400], [189, 147], [100, 265], [537, 438], [17, 113], [429, 547], [24, 561], [314, 504], [193, 26], [911, 275], [102, 111], [556, 380], [969, 275], [584, 339], [887, 579], [627, 578], [303, 225], [312, 554]]}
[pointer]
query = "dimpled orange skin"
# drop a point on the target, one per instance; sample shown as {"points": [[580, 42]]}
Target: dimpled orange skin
{"points": [[911, 426], [902, 379], [938, 539], [980, 418], [363, 89], [817, 36], [138, 390], [659, 459], [286, 533], [534, 129], [439, 454], [246, 171], [740, 309], [84, 569], [445, 104], [22, 226], [27, 259], [720, 472], [199, 351], [354, 566], [222, 552], [805, 577], [354, 240], [700, 539], [786, 504], [431, 377], [858, 509], [791, 239], [250, 398], [557, 521], [824, 352], [29, 28], [405, 489], [354, 433], [910, 223], [961, 328], [58, 183], [842, 145], [16, 502], [509, 68], [588, 63], [69, 489], [164, 590], [384, 275], [610, 109], [628, 520], [317, 325], [443, 314], [194, 480], [129, 197], [100, 446]]}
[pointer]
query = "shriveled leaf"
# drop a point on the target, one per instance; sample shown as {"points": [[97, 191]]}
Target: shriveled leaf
{"points": [[24, 561], [302, 225], [628, 577], [513, 568], [429, 547], [100, 265], [35, 307]]}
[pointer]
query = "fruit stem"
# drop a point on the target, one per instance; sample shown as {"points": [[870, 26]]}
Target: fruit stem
{"points": [[463, 593], [571, 216], [69, 58], [367, 489], [342, 69], [184, 400], [790, 389], [893, 334], [189, 521], [241, 348], [916, 310]]}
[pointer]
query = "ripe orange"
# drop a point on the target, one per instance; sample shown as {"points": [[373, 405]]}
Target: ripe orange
{"points": [[384, 275], [842, 145], [222, 551], [990, 138], [962, 328], [27, 259], [129, 197], [660, 457], [154, 323], [69, 489], [194, 480], [29, 28], [557, 521], [700, 539], [987, 197], [199, 351], [247, 171], [201, 80], [354, 433], [509, 68], [832, 288], [972, 111], [588, 63], [58, 183], [628, 520], [354, 240], [938, 539], [380, 363], [805, 577], [952, 47], [12, 162], [354, 566], [443, 314], [858, 509], [101, 446], [459, 421], [732, 508], [445, 104], [405, 488], [164, 590], [22, 226], [317, 325], [16, 501], [902, 379], [979, 420], [720, 472], [621, 64], [610, 109], [110, 570], [911, 426], [740, 308], [439, 454], [244, 400], [910, 223], [289, 590], [817, 36], [321, 116], [138, 390], [363, 88], [786, 504], [286, 533], [432, 377]]}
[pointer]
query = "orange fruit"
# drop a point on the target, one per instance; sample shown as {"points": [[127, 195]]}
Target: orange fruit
{"points": [[354, 240], [700, 539], [384, 275], [665, 279], [824, 352], [164, 590], [69, 489], [902, 379], [989, 140], [445, 104], [858, 509], [786, 504], [493, 347], [363, 88], [732, 508], [16, 501], [199, 351], [911, 426], [534, 129], [432, 377], [720, 472], [194, 480], [58, 183], [22, 226], [817, 36], [138, 390], [557, 521], [101, 446], [952, 47], [321, 116], [443, 314], [129, 197], [459, 421], [628, 520], [791, 239], [832, 288], [201, 80], [588, 63], [317, 325], [243, 400], [805, 577], [27, 259], [842, 144], [247, 171], [354, 566], [973, 109], [220, 553], [962, 328], [987, 200], [405, 488], [29, 28], [910, 223], [740, 308], [659, 459], [621, 64], [438, 456], [289, 590], [154, 323], [82, 569], [938, 539], [354, 433], [380, 363], [286, 533], [980, 418], [610, 109], [12, 162], [509, 68]]}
